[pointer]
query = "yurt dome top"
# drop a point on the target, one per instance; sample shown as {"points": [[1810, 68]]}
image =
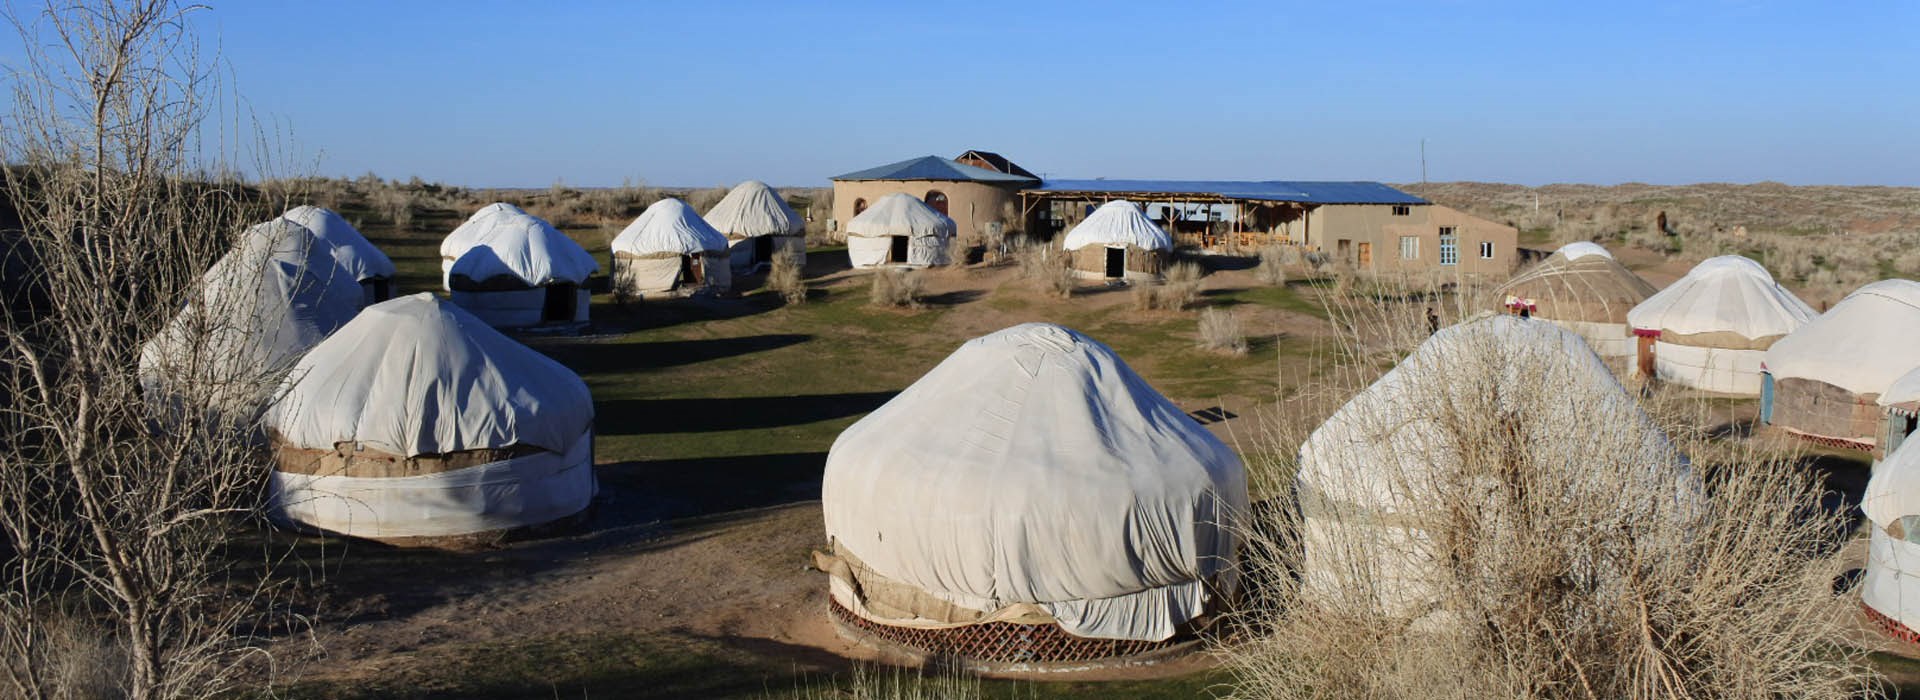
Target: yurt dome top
{"points": [[1894, 490], [464, 235], [420, 375], [526, 248], [753, 209], [1904, 391], [1725, 294], [1033, 466], [901, 214], [1583, 249], [1862, 344], [1119, 223], [669, 227], [1579, 282], [353, 251]]}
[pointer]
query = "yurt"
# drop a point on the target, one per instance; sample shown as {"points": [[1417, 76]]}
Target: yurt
{"points": [[278, 293], [353, 251], [1710, 329], [1118, 241], [670, 250], [465, 235], [1583, 289], [758, 224], [1824, 380], [418, 422], [1900, 407], [1890, 590], [1469, 409], [521, 272], [1030, 502], [899, 230]]}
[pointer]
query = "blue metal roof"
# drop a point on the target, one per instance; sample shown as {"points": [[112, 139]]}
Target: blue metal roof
{"points": [[932, 168], [1306, 192]]}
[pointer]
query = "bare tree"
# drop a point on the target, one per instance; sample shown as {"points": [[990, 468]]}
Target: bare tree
{"points": [[120, 522]]}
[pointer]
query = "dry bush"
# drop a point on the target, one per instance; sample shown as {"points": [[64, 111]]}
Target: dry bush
{"points": [[960, 249], [787, 278], [702, 200], [894, 683], [1220, 331], [1179, 290], [395, 204], [1046, 266], [896, 287], [1274, 261], [1562, 551]]}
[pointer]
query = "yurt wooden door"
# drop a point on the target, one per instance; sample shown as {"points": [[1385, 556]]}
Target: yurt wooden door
{"points": [[1116, 262], [897, 251], [1366, 255], [561, 298], [1645, 365], [689, 271]]}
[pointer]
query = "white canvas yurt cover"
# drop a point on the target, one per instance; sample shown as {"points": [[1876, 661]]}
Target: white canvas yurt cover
{"points": [[871, 236], [520, 271], [1827, 376], [669, 248], [361, 258], [1390, 462], [1711, 328], [1117, 240], [1891, 587], [1582, 288], [419, 420], [1032, 476], [276, 294], [467, 234], [751, 212]]}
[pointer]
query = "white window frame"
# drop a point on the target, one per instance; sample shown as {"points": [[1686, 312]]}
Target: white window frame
{"points": [[1449, 246], [1409, 247], [1486, 250], [1402, 210]]}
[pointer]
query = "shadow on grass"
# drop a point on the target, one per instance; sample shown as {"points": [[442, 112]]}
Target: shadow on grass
{"points": [[658, 416], [953, 298], [648, 491], [596, 358]]}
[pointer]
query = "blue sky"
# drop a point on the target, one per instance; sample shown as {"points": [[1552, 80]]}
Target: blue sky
{"points": [[705, 93]]}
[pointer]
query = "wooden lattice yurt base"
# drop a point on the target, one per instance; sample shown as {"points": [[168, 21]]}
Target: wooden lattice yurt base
{"points": [[1006, 647]]}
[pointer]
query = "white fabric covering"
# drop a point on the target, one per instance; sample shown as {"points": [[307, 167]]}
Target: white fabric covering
{"points": [[1116, 224], [671, 228], [870, 235], [1583, 249], [525, 248], [263, 304], [1367, 471], [468, 233], [753, 209], [1906, 389], [1723, 370], [1033, 466], [518, 308], [1862, 344], [1892, 584], [1728, 294], [359, 256], [420, 375], [1607, 339]]}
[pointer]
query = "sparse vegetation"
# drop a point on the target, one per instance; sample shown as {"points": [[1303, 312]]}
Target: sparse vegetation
{"points": [[1179, 289], [1274, 261], [787, 278], [1047, 268], [896, 288], [1220, 332]]}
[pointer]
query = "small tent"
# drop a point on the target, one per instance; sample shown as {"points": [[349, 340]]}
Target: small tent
{"points": [[1824, 380], [1710, 329], [670, 250], [418, 420], [899, 230], [1118, 241], [260, 307], [518, 271], [465, 235], [1030, 499], [354, 252], [758, 224], [1890, 590], [1583, 289], [1399, 458]]}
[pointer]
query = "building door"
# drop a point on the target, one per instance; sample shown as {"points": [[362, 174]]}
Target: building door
{"points": [[1345, 249], [897, 252], [1116, 263], [1366, 255], [1645, 357], [937, 200], [762, 249], [562, 297]]}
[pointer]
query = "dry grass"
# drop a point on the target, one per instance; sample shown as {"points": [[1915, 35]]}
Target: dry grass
{"points": [[1220, 332], [896, 287], [869, 683], [787, 278], [1046, 267], [1274, 261], [1180, 288]]}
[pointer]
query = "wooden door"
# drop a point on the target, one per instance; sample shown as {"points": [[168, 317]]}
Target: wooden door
{"points": [[1645, 365], [1116, 262], [897, 252], [1366, 255]]}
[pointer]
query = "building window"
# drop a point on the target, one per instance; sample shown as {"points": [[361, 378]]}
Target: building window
{"points": [[1409, 247], [1402, 210], [859, 205], [937, 200], [1449, 246], [1486, 250]]}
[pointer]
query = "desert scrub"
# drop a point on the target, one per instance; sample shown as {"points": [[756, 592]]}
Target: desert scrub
{"points": [[1179, 289], [896, 287], [1046, 267], [1220, 332], [785, 279], [1274, 260]]}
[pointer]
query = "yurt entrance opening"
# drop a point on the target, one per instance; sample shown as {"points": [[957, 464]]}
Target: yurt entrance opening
{"points": [[689, 272], [897, 253], [379, 289], [763, 250], [561, 298], [1116, 262]]}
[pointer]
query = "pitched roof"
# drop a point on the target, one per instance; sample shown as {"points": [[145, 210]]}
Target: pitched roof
{"points": [[998, 162], [934, 168], [1306, 192]]}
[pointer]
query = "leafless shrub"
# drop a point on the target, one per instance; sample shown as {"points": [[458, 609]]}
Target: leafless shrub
{"points": [[105, 509], [896, 287], [1557, 555], [1179, 289], [1273, 264], [1220, 331], [396, 204], [1046, 266], [786, 277], [960, 249], [702, 200]]}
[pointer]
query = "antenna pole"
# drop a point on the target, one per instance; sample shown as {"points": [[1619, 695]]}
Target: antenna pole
{"points": [[1423, 161]]}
